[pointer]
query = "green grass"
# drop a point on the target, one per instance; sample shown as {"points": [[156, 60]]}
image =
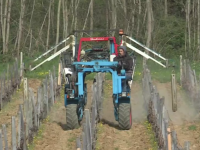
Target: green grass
{"points": [[39, 73], [150, 132], [192, 127], [72, 139], [42, 71], [37, 138], [157, 72]]}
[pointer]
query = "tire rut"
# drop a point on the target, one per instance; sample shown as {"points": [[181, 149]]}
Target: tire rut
{"points": [[110, 136]]}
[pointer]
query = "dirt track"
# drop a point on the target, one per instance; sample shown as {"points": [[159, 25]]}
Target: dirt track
{"points": [[183, 121], [111, 137], [12, 107], [55, 135]]}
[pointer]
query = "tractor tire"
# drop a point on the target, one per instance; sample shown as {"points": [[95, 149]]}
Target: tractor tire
{"points": [[125, 116], [71, 116]]}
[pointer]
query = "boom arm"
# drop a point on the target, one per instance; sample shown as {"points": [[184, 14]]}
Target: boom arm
{"points": [[52, 57], [57, 53], [54, 47], [143, 53]]}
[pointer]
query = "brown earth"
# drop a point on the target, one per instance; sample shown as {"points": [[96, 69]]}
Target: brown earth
{"points": [[55, 135], [184, 120], [111, 137], [34, 84], [12, 107]]}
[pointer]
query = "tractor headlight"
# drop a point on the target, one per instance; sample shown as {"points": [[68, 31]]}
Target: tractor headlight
{"points": [[123, 93], [71, 95]]}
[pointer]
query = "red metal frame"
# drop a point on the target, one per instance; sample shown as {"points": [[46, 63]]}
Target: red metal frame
{"points": [[96, 39]]}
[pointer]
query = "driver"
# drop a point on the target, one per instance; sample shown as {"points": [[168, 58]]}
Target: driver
{"points": [[124, 60]]}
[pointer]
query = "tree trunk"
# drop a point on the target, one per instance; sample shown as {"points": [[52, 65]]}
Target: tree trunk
{"points": [[86, 17], [8, 25], [64, 19], [107, 15], [125, 16], [30, 23], [149, 26], [139, 16], [20, 26], [149, 23], [2, 27], [198, 28], [91, 16], [75, 14], [30, 44], [166, 10], [188, 25], [3, 24], [114, 15], [1, 19], [58, 24], [133, 19], [49, 24]]}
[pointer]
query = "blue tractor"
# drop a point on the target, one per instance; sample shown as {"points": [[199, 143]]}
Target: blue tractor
{"points": [[99, 59]]}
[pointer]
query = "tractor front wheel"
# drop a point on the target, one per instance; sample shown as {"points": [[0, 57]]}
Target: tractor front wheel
{"points": [[71, 116], [125, 116]]}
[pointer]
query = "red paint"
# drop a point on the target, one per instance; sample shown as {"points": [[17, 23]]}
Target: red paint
{"points": [[96, 39]]}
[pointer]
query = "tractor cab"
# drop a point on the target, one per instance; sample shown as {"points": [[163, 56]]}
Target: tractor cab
{"points": [[101, 48]]}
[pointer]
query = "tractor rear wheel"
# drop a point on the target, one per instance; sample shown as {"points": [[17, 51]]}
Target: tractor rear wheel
{"points": [[71, 116], [125, 116]]}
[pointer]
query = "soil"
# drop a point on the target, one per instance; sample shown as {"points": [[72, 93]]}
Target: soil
{"points": [[12, 107], [55, 135], [111, 137], [185, 120], [34, 84]]}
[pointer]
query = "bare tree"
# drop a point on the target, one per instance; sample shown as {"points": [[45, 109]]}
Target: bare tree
{"points": [[49, 23], [20, 25], [188, 34], [149, 26], [107, 15], [30, 44], [3, 23], [166, 10], [8, 25], [1, 19], [86, 17], [30, 23], [139, 16], [126, 22], [198, 28], [58, 24], [72, 6], [75, 13], [149, 23], [64, 18], [133, 18], [114, 15], [91, 15]]}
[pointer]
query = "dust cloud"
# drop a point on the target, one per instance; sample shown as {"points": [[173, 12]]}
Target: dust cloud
{"points": [[185, 109]]}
